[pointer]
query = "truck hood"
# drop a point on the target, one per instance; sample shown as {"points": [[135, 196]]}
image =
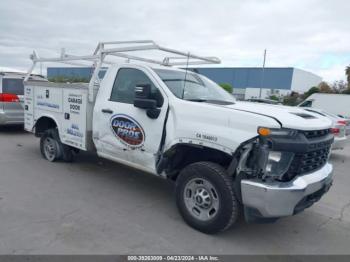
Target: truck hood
{"points": [[287, 116]]}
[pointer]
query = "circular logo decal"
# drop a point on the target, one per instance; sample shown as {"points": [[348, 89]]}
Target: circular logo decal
{"points": [[128, 131]]}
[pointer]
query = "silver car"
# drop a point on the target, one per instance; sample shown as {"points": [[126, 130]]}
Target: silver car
{"points": [[339, 127], [11, 97]]}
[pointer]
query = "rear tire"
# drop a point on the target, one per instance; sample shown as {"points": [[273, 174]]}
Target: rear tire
{"points": [[205, 197], [49, 146], [52, 148]]}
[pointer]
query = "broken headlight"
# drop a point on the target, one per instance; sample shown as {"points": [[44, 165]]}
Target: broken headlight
{"points": [[278, 163], [273, 163]]}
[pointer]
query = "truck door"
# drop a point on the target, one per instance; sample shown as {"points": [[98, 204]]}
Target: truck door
{"points": [[123, 132]]}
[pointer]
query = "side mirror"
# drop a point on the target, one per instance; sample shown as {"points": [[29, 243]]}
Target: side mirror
{"points": [[145, 103], [142, 97], [144, 100]]}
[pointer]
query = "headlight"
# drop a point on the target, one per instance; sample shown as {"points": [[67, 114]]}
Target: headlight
{"points": [[278, 163], [283, 132], [274, 163]]}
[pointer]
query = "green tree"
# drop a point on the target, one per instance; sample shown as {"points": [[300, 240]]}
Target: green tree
{"points": [[346, 91], [324, 87], [339, 86], [274, 97], [291, 100], [227, 87], [347, 73], [69, 79], [311, 91]]}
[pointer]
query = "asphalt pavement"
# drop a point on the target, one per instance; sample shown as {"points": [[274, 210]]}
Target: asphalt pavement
{"points": [[94, 206]]}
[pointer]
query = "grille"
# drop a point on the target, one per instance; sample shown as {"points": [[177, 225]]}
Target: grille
{"points": [[307, 162], [316, 133]]}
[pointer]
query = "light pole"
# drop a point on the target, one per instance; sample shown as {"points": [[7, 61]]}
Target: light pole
{"points": [[262, 74]]}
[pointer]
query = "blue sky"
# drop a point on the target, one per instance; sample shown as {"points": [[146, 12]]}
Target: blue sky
{"points": [[313, 35]]}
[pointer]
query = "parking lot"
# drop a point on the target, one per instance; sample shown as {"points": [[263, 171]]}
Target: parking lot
{"points": [[94, 206]]}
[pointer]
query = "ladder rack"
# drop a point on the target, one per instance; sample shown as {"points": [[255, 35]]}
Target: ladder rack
{"points": [[119, 49]]}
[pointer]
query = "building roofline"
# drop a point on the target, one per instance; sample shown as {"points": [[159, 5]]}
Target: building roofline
{"points": [[307, 71]]}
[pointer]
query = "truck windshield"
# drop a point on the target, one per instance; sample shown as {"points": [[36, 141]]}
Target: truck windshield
{"points": [[194, 87]]}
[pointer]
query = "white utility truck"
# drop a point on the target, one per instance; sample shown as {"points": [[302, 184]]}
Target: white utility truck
{"points": [[226, 157]]}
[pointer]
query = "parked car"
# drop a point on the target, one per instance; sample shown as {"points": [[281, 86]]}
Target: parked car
{"points": [[337, 104], [225, 156], [11, 97], [346, 122], [339, 129]]}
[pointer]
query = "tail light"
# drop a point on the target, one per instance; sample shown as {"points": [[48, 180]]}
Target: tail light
{"points": [[335, 131], [8, 98], [342, 122]]}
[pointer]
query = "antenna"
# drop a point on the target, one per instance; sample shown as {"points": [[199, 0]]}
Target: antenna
{"points": [[262, 74]]}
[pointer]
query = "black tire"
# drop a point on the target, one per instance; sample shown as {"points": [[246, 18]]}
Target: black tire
{"points": [[50, 135], [61, 151], [220, 185]]}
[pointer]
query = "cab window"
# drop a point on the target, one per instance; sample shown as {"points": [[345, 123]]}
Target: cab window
{"points": [[127, 79]]}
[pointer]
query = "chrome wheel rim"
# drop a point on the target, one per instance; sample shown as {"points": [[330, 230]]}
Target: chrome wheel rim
{"points": [[49, 148], [201, 199]]}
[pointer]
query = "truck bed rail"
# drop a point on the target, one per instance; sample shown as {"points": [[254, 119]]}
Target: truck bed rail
{"points": [[119, 49]]}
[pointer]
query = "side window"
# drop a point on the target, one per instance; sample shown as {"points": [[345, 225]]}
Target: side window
{"points": [[307, 103], [12, 86], [127, 79]]}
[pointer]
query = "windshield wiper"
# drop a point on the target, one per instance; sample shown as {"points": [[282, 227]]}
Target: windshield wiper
{"points": [[212, 101], [220, 102], [196, 100]]}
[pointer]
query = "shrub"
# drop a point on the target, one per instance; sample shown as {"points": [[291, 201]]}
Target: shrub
{"points": [[227, 87]]}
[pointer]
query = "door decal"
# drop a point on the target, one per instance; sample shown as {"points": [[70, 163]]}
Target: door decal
{"points": [[128, 131]]}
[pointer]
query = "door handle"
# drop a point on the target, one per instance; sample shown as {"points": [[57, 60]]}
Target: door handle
{"points": [[107, 111]]}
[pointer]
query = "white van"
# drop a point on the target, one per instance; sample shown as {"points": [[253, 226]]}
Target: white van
{"points": [[338, 104]]}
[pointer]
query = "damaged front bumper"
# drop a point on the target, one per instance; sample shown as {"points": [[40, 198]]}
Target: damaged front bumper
{"points": [[278, 199]]}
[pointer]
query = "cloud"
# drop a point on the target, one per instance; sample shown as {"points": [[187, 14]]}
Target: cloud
{"points": [[302, 34]]}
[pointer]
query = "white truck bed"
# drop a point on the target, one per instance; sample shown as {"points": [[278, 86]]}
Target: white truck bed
{"points": [[67, 104]]}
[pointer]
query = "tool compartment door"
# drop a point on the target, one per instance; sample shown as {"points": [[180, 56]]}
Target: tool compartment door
{"points": [[73, 131], [28, 108]]}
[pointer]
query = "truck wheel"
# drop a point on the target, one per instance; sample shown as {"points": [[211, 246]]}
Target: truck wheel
{"points": [[50, 145], [52, 148], [205, 197]]}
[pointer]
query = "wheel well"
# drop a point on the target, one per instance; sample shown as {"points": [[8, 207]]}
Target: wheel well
{"points": [[44, 123], [181, 155]]}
